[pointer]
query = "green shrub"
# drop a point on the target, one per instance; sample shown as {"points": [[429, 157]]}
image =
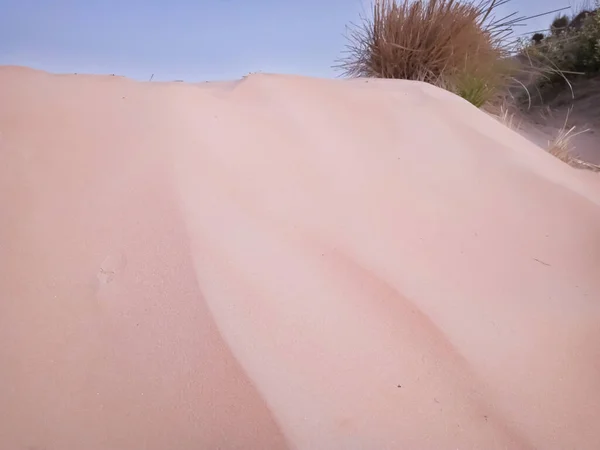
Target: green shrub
{"points": [[474, 89], [537, 38], [588, 56], [559, 25], [572, 50]]}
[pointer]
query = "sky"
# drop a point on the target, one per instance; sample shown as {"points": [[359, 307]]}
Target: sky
{"points": [[192, 40]]}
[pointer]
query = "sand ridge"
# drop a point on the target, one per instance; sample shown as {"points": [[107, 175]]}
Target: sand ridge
{"points": [[287, 262]]}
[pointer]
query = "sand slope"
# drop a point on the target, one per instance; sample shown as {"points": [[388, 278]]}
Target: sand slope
{"points": [[565, 109], [285, 262]]}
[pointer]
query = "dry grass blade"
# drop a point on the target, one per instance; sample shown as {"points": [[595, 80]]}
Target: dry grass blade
{"points": [[504, 112], [562, 148], [575, 162], [508, 118]]}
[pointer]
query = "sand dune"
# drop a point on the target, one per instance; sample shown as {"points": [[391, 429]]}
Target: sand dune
{"points": [[287, 262]]}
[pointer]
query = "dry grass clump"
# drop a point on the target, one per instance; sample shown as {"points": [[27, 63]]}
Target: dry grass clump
{"points": [[449, 43], [562, 148], [505, 114]]}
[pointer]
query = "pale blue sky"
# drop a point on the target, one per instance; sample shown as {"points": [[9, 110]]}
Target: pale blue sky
{"points": [[192, 40]]}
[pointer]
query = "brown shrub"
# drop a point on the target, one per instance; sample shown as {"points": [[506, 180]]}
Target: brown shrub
{"points": [[444, 42]]}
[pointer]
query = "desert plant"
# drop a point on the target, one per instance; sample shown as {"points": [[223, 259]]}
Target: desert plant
{"points": [[562, 148], [573, 47], [559, 24], [474, 89], [445, 42], [589, 43], [537, 38], [504, 112]]}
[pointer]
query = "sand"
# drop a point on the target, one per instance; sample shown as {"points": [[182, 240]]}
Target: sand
{"points": [[544, 114], [286, 262], [542, 125]]}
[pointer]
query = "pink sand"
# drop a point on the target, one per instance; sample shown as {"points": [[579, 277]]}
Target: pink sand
{"points": [[288, 263]]}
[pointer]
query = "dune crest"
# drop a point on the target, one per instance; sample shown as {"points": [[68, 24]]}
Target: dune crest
{"points": [[287, 262]]}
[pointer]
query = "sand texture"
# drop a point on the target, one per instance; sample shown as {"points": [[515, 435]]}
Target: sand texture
{"points": [[288, 263]]}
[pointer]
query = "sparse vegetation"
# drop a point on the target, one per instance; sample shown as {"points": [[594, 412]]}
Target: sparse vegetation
{"points": [[566, 56], [537, 38], [461, 46], [455, 44], [571, 49], [559, 24], [561, 147]]}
